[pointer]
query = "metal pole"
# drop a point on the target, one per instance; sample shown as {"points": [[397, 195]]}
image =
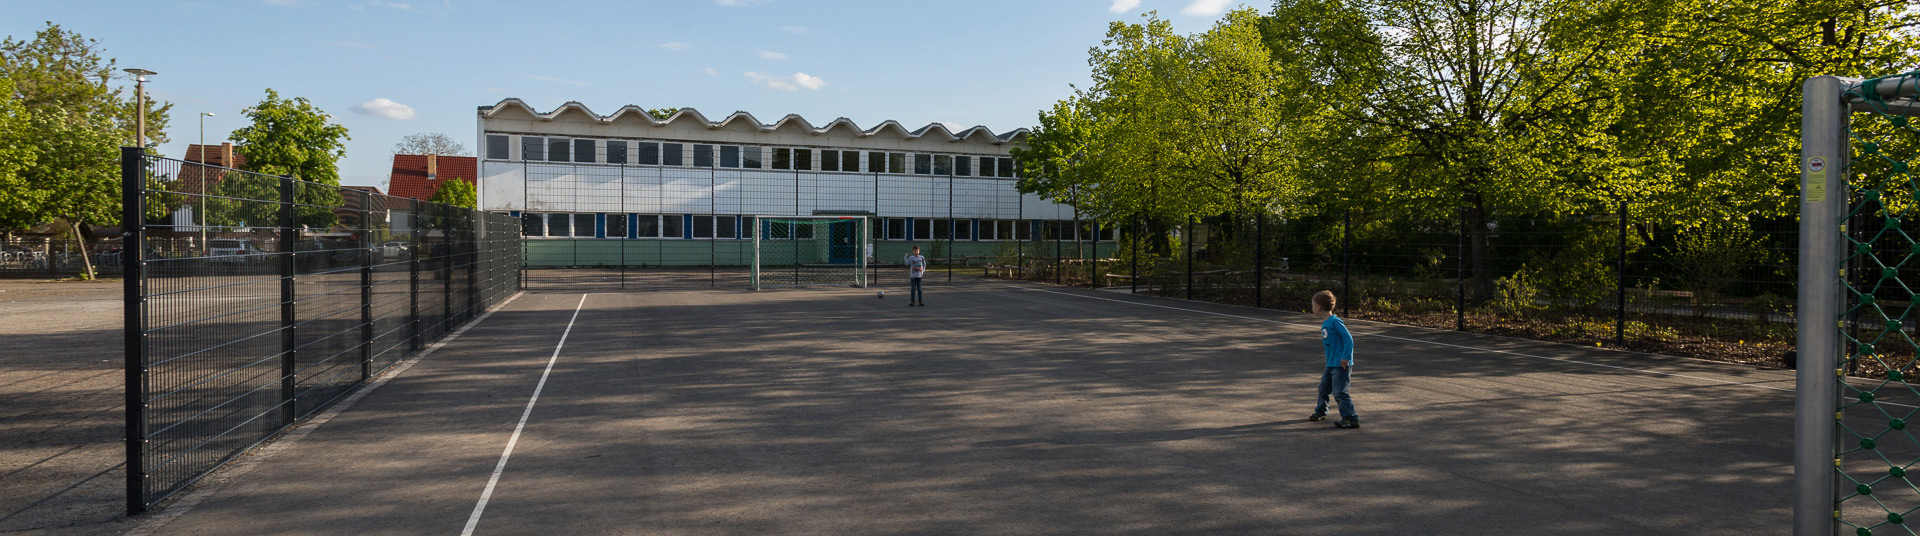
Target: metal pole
{"points": [[1188, 238], [289, 240], [367, 246], [1259, 257], [1460, 276], [951, 231], [203, 181], [1133, 274], [1620, 283], [1823, 135], [1346, 264], [413, 276], [134, 319]]}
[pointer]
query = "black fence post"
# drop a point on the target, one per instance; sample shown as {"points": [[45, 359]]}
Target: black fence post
{"points": [[1059, 252], [413, 275], [476, 228], [1133, 275], [1620, 283], [289, 244], [1093, 270], [367, 248], [133, 218], [1460, 276], [1346, 264], [1189, 240], [445, 263], [1259, 258]]}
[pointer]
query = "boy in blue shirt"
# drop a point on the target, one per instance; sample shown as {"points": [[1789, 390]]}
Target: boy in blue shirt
{"points": [[1338, 375]]}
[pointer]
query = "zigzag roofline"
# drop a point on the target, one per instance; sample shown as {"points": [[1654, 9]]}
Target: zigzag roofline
{"points": [[690, 114]]}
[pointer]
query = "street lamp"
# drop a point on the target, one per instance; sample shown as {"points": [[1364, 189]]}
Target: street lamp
{"points": [[203, 177], [140, 98]]}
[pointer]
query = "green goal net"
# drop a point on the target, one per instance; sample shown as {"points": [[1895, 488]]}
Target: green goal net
{"points": [[815, 251]]}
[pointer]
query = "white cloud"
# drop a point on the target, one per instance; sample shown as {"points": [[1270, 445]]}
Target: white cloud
{"points": [[545, 78], [1206, 8], [771, 55], [1123, 6], [786, 83], [712, 72], [796, 29], [383, 107], [675, 45]]}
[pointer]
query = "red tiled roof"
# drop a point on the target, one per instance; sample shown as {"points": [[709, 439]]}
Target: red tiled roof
{"points": [[410, 179]]}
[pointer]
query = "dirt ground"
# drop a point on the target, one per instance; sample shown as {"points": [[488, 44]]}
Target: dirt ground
{"points": [[62, 452]]}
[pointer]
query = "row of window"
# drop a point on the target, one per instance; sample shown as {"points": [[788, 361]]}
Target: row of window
{"points": [[650, 153], [737, 227]]}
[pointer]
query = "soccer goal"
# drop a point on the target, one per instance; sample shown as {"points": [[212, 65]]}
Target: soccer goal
{"points": [[1855, 385], [810, 251]]}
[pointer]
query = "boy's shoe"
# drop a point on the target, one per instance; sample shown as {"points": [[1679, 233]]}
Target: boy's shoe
{"points": [[1347, 423], [1317, 417]]}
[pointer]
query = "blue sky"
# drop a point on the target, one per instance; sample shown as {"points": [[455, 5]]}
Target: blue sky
{"points": [[386, 69]]}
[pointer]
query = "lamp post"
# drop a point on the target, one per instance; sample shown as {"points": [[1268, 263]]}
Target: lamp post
{"points": [[203, 177], [140, 105]]}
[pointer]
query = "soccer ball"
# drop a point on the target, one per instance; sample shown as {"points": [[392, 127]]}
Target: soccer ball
{"points": [[880, 294]]}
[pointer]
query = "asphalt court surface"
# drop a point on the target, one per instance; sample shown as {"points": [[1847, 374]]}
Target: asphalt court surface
{"points": [[1015, 409]]}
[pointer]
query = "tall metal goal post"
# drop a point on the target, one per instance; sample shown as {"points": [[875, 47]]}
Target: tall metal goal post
{"points": [[810, 251], [1845, 443]]}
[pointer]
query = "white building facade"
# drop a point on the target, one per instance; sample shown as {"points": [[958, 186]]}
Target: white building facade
{"points": [[573, 175]]}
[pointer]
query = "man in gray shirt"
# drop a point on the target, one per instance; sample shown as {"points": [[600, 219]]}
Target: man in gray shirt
{"points": [[916, 267]]}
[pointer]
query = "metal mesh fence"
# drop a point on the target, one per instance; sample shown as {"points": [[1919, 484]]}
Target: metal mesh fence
{"points": [[1875, 449], [1720, 290], [810, 252], [279, 297]]}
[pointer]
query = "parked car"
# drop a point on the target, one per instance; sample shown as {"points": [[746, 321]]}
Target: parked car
{"points": [[233, 251], [393, 250]]}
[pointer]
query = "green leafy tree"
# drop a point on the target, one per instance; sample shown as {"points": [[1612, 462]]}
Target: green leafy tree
{"points": [[62, 69], [75, 179], [17, 155], [294, 137], [457, 192], [429, 143]]}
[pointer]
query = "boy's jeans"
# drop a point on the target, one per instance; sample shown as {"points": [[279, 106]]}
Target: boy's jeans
{"points": [[1334, 382], [913, 294]]}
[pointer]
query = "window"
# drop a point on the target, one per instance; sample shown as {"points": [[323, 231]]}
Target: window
{"points": [[649, 153], [896, 229], [616, 152], [803, 232], [646, 226], [829, 160], [703, 226], [746, 227], [532, 149], [703, 156], [557, 225], [616, 226], [751, 157], [922, 229], [583, 225], [729, 156], [1025, 228], [533, 225], [963, 229], [876, 162], [986, 166], [496, 147], [783, 158], [583, 151], [942, 229], [1006, 167], [850, 161], [922, 164], [986, 229], [724, 226], [1003, 230], [943, 165], [670, 155], [803, 159], [963, 166], [670, 226], [557, 149], [897, 163]]}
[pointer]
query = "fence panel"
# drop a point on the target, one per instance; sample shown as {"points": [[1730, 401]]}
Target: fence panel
{"points": [[282, 297]]}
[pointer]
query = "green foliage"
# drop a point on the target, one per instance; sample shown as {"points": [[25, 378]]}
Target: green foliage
{"points": [[61, 69], [17, 155], [661, 113], [293, 137], [1516, 295], [457, 192]]}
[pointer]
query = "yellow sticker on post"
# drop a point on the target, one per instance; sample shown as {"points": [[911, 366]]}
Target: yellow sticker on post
{"points": [[1815, 189]]}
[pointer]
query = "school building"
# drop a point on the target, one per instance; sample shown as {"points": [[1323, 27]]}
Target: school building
{"points": [[632, 189]]}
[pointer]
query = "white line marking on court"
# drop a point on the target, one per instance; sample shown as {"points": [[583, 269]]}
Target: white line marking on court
{"points": [[246, 464], [1435, 343], [474, 520]]}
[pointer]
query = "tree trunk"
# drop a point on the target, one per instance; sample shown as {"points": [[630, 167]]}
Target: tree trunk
{"points": [[85, 260], [1479, 242]]}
